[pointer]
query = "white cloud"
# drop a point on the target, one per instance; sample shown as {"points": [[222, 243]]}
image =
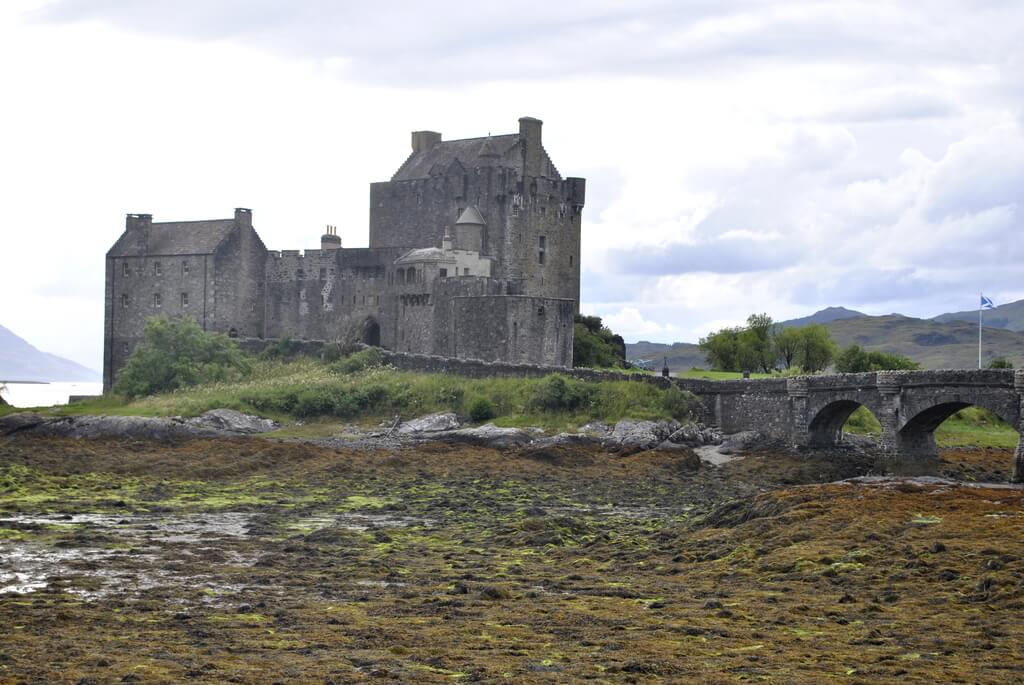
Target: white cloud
{"points": [[742, 156]]}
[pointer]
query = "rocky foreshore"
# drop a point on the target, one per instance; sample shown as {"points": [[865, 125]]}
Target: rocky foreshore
{"points": [[624, 437]]}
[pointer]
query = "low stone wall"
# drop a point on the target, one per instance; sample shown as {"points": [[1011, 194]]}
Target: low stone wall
{"points": [[305, 348]]}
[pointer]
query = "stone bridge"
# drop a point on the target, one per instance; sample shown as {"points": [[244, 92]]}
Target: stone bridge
{"points": [[811, 410]]}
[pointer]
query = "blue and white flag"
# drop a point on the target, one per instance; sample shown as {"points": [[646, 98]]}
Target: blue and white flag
{"points": [[986, 303]]}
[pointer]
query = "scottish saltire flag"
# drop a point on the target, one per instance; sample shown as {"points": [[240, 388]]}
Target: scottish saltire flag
{"points": [[986, 303]]}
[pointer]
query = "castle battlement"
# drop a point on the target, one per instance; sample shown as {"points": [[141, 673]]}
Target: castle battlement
{"points": [[474, 249]]}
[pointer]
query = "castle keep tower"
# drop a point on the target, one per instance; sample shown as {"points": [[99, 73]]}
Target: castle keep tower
{"points": [[474, 252]]}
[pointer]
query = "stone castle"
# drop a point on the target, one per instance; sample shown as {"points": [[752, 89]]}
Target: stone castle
{"points": [[474, 253]]}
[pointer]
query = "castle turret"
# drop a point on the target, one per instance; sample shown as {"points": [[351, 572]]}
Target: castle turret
{"points": [[469, 230], [330, 240], [529, 139], [424, 140]]}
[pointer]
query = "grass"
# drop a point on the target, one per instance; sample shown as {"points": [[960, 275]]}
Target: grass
{"points": [[324, 397], [719, 375]]}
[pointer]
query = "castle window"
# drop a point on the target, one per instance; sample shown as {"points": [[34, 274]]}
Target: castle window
{"points": [[570, 260], [540, 311], [465, 271], [401, 276], [184, 300], [543, 243], [126, 270], [323, 273], [158, 269], [300, 274], [157, 300], [124, 349], [184, 268], [124, 300], [444, 273]]}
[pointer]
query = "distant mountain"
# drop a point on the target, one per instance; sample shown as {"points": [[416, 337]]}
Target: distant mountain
{"points": [[934, 344], [681, 356], [20, 361], [826, 315], [1009, 316]]}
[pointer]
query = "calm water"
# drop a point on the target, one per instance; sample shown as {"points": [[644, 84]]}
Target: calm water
{"points": [[47, 394]]}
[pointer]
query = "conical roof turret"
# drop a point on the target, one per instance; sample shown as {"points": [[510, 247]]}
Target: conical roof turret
{"points": [[471, 216]]}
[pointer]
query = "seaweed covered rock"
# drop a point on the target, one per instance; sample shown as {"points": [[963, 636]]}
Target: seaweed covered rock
{"points": [[233, 422], [431, 423]]}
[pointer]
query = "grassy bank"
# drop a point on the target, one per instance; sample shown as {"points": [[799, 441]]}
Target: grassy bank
{"points": [[356, 389], [970, 427]]}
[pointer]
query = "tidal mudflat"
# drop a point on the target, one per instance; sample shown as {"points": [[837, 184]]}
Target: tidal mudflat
{"points": [[252, 561]]}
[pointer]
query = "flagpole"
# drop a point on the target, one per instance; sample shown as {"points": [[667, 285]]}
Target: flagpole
{"points": [[979, 330]]}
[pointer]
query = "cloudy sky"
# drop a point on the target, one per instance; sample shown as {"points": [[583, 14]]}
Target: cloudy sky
{"points": [[777, 156]]}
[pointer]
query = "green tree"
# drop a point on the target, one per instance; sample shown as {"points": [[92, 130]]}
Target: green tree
{"points": [[176, 353], [722, 349], [595, 346], [816, 349], [787, 345], [756, 347], [855, 359]]}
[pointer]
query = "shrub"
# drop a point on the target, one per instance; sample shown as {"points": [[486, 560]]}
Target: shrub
{"points": [[482, 409], [595, 346], [451, 397], [1000, 363], [284, 348], [331, 353], [176, 353], [678, 403], [558, 393], [358, 361]]}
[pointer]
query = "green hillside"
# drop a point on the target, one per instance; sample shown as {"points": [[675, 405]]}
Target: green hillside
{"points": [[681, 356], [1009, 316], [935, 345]]}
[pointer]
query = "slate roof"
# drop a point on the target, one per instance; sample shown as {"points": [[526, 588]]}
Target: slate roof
{"points": [[425, 254], [177, 238], [471, 215], [467, 152]]}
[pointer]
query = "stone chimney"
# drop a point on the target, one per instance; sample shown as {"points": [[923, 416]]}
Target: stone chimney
{"points": [[330, 240], [243, 216], [138, 225], [424, 140], [529, 141]]}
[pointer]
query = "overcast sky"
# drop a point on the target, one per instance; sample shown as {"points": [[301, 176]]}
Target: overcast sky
{"points": [[776, 156]]}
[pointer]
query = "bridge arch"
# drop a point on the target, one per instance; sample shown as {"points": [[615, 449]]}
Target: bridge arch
{"points": [[916, 434], [825, 428]]}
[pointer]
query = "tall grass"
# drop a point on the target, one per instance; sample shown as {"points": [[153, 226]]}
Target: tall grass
{"points": [[355, 388]]}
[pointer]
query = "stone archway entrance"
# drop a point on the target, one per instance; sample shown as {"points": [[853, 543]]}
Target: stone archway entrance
{"points": [[370, 334]]}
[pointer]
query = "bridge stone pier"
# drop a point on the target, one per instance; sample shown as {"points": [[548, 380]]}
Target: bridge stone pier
{"points": [[810, 411]]}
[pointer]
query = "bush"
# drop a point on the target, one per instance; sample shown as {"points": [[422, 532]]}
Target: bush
{"points": [[855, 359], [558, 393], [284, 348], [331, 353], [177, 353], [482, 409], [451, 397], [595, 346], [678, 403], [358, 361], [1000, 363]]}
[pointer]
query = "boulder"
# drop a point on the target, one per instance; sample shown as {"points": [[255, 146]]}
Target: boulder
{"points": [[134, 427], [432, 423], [696, 435], [489, 435], [635, 436], [738, 442], [13, 423], [233, 422]]}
